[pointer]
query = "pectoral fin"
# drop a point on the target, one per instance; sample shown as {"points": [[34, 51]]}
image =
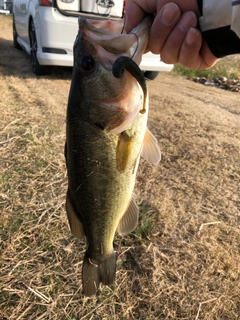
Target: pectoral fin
{"points": [[150, 150], [74, 222], [129, 221]]}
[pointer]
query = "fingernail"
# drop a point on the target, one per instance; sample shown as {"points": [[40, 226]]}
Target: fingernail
{"points": [[188, 20], [170, 13], [191, 36]]}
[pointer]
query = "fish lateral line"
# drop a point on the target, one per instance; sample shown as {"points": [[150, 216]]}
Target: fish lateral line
{"points": [[127, 63]]}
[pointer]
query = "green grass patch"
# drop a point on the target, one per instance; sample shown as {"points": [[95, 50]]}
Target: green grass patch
{"points": [[228, 67], [213, 73], [146, 223]]}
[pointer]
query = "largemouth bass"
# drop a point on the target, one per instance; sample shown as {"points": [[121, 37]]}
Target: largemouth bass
{"points": [[106, 134]]}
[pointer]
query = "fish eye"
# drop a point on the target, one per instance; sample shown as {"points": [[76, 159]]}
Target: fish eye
{"points": [[87, 63]]}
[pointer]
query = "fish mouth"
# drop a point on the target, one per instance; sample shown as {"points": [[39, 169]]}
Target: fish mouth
{"points": [[109, 35]]}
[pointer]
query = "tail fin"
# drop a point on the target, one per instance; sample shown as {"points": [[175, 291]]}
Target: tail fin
{"points": [[95, 273]]}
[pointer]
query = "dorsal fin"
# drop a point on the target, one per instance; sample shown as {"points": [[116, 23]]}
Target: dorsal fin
{"points": [[150, 149], [129, 221]]}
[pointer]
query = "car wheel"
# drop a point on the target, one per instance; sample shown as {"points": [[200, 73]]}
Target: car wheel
{"points": [[15, 43], [151, 75], [36, 67]]}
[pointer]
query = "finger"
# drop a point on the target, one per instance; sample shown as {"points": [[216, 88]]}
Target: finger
{"points": [[162, 26], [195, 53], [134, 15], [189, 55], [173, 45]]}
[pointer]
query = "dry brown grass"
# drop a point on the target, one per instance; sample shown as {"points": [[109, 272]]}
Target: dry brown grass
{"points": [[183, 261]]}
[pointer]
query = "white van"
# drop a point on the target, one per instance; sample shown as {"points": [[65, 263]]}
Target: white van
{"points": [[46, 29]]}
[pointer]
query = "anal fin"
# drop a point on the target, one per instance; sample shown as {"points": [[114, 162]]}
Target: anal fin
{"points": [[129, 221], [74, 222]]}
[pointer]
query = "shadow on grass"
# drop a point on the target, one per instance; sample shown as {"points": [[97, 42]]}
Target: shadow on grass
{"points": [[16, 62]]}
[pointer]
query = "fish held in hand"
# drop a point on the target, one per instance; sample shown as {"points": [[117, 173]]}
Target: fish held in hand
{"points": [[105, 136]]}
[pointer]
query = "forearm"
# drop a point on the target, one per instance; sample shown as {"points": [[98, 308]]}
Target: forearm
{"points": [[220, 25]]}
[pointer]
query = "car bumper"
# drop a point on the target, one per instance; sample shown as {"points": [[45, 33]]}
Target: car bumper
{"points": [[58, 33]]}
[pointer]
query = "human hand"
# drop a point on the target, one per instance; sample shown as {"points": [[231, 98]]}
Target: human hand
{"points": [[174, 32]]}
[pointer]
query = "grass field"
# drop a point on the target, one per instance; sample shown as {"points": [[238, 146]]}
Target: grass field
{"points": [[182, 262]]}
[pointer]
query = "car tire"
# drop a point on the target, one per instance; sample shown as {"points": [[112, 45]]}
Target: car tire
{"points": [[151, 75], [15, 35], [36, 67]]}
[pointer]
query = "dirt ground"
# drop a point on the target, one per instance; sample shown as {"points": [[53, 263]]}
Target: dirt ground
{"points": [[183, 261]]}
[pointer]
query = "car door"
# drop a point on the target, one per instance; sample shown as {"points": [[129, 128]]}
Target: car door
{"points": [[21, 16]]}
